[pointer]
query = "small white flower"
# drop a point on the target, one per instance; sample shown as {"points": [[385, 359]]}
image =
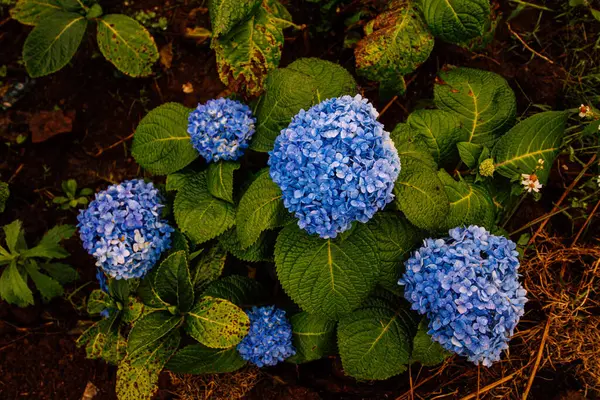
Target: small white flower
{"points": [[541, 161], [140, 243], [531, 183], [585, 111]]}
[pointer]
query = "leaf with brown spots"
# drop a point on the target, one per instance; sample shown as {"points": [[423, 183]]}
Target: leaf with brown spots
{"points": [[217, 323], [127, 44], [397, 42], [253, 48]]}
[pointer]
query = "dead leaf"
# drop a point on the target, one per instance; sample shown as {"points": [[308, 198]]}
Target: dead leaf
{"points": [[90, 391], [187, 88], [166, 55], [200, 35], [47, 124]]}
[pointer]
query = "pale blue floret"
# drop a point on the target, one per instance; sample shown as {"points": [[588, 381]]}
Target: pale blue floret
{"points": [[468, 287], [269, 339], [335, 165], [221, 129], [122, 228]]}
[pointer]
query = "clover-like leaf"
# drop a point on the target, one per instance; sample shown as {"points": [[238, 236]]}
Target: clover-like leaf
{"points": [[217, 323], [330, 277], [397, 42], [482, 100], [127, 44]]}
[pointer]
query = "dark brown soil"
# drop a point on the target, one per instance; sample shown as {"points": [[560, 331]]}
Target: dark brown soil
{"points": [[38, 356]]}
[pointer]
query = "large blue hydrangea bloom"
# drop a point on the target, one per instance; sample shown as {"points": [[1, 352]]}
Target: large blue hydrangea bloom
{"points": [[335, 164], [468, 287], [123, 229], [269, 340], [221, 129]]}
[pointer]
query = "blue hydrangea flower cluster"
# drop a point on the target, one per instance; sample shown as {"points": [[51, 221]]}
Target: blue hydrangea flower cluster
{"points": [[269, 340], [104, 287], [221, 129], [335, 164], [468, 287], [122, 228]]}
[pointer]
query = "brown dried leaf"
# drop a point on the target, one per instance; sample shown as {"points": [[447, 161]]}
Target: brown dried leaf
{"points": [[47, 124]]}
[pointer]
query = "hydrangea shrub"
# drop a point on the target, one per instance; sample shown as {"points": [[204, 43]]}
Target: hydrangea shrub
{"points": [[338, 207]]}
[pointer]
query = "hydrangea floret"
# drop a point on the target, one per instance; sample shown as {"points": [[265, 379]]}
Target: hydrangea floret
{"points": [[269, 339], [335, 164], [123, 229], [468, 286], [221, 129]]}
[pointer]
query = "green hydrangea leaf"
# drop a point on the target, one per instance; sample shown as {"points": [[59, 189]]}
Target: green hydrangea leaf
{"points": [[127, 44], [469, 153], [395, 237], [440, 131], [51, 45], [4, 194], [173, 283], [261, 250], [313, 337], [397, 42], [247, 53], [538, 137], [425, 350], [420, 194], [469, 204], [240, 290], [98, 301], [137, 376], [179, 179], [161, 143], [132, 311], [329, 79], [375, 343], [304, 83], [200, 215], [260, 208], [147, 292], [31, 12], [219, 177], [482, 100], [330, 277], [103, 340], [456, 21], [13, 287], [209, 266], [226, 14], [150, 329], [199, 359], [411, 145], [217, 323]]}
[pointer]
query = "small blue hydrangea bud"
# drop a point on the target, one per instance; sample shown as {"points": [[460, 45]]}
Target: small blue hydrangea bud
{"points": [[335, 164], [122, 228], [221, 129], [104, 287], [269, 340], [468, 286]]}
